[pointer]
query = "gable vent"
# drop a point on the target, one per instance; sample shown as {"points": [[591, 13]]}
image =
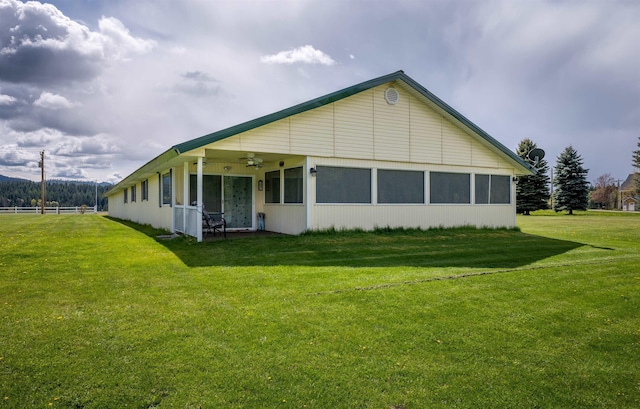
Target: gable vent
{"points": [[391, 96]]}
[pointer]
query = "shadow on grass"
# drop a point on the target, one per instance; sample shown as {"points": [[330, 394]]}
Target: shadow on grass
{"points": [[457, 247]]}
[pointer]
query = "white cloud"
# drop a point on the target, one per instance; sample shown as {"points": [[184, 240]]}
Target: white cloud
{"points": [[305, 54], [114, 178], [53, 101], [7, 99], [99, 145], [42, 45], [13, 155], [69, 173], [118, 42]]}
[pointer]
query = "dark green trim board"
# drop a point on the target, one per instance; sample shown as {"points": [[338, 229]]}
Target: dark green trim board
{"points": [[398, 76]]}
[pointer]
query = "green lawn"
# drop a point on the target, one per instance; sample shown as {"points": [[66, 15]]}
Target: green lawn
{"points": [[95, 313]]}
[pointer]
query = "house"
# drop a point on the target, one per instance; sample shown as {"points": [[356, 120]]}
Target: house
{"points": [[627, 197], [385, 152]]}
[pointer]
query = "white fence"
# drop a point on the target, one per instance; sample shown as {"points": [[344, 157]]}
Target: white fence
{"points": [[49, 210]]}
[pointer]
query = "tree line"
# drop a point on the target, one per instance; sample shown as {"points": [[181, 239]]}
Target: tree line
{"points": [[26, 193], [569, 187]]}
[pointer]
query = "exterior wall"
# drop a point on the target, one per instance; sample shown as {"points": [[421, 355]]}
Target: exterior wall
{"points": [[285, 218], [362, 130], [369, 216], [142, 211], [364, 126]]}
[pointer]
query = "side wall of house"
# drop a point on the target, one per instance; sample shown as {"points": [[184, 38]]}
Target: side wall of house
{"points": [[365, 131], [425, 215], [143, 211]]}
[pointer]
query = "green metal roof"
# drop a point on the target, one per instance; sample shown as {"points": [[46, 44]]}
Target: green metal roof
{"points": [[196, 143]]}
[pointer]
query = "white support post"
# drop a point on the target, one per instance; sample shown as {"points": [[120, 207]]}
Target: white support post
{"points": [[308, 189], [173, 199], [199, 199], [185, 195]]}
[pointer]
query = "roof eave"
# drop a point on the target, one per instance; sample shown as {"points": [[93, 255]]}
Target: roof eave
{"points": [[154, 165]]}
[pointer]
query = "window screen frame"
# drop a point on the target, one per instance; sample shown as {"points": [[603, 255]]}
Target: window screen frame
{"points": [[327, 174], [299, 188], [489, 197], [270, 187], [466, 195], [144, 189], [398, 172], [166, 199]]}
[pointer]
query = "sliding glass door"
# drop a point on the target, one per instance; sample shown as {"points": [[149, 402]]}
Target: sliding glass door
{"points": [[232, 195]]}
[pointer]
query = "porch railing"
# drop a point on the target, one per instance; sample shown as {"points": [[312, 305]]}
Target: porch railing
{"points": [[193, 218]]}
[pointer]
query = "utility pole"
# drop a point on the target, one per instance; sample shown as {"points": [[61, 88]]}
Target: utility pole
{"points": [[551, 196], [42, 173]]}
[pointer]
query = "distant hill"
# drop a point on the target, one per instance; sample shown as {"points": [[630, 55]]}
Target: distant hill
{"points": [[4, 178], [63, 193]]}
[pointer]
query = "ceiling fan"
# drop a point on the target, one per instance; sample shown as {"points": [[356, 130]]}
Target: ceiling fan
{"points": [[252, 160]]}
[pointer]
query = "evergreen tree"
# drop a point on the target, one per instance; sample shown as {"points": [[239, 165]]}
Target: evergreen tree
{"points": [[532, 192], [570, 182], [636, 164]]}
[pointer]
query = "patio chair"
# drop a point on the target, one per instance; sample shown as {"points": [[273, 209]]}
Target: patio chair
{"points": [[213, 222]]}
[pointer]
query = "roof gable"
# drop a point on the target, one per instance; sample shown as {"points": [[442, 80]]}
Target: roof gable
{"points": [[399, 76]]}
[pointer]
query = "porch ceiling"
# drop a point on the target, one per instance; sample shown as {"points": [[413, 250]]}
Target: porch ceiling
{"points": [[224, 156]]}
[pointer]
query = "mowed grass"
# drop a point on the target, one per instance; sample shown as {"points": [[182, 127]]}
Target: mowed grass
{"points": [[95, 313]]}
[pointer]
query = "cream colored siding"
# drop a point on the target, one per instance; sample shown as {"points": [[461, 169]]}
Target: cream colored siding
{"points": [[481, 156], [229, 144], [354, 126], [312, 132], [426, 134], [285, 218], [369, 217], [274, 137], [365, 126], [456, 145], [391, 127], [142, 211]]}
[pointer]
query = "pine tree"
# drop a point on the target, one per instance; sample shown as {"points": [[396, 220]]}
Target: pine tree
{"points": [[570, 182], [532, 192], [636, 164]]}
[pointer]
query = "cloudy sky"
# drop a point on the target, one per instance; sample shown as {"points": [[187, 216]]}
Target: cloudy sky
{"points": [[103, 86]]}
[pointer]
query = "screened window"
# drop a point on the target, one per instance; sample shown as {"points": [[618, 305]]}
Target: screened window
{"points": [[126, 195], [343, 185], [293, 185], [482, 189], [211, 191], [166, 189], [494, 189], [400, 186], [133, 193], [449, 187], [272, 187], [144, 187]]}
